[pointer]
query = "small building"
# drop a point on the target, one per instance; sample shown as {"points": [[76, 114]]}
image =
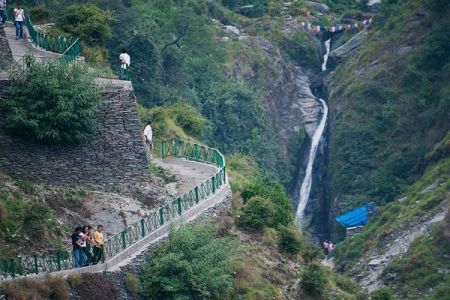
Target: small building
{"points": [[354, 220]]}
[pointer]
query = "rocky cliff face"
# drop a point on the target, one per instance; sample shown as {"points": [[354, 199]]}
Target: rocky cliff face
{"points": [[293, 108]]}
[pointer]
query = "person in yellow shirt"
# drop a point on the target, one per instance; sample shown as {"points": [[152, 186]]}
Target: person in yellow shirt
{"points": [[98, 243]]}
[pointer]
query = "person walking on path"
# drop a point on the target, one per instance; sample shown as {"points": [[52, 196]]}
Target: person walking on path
{"points": [[125, 61], [99, 242], [76, 248], [148, 137], [19, 17], [2, 12]]}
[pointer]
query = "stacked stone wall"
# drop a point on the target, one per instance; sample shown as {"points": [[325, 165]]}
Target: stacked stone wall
{"points": [[114, 155]]}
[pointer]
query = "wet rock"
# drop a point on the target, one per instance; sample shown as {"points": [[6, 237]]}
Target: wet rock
{"points": [[347, 49]]}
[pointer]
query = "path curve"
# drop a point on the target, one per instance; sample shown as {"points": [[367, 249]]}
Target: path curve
{"points": [[191, 173]]}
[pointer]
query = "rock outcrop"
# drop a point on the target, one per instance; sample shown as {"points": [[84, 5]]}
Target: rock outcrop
{"points": [[347, 49]]}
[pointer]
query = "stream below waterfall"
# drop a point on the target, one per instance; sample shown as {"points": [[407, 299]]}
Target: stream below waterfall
{"points": [[305, 188]]}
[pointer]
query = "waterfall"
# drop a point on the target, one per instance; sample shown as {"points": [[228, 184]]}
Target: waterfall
{"points": [[325, 57], [307, 181]]}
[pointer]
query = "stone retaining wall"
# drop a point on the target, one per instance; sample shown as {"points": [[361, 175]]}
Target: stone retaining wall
{"points": [[115, 155]]}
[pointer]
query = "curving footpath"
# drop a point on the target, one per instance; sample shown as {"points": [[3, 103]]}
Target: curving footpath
{"points": [[185, 158]]}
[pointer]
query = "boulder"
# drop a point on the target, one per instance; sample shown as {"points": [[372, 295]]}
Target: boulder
{"points": [[347, 49], [323, 8], [231, 29]]}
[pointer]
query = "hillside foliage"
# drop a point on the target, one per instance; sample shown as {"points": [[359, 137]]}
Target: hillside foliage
{"points": [[392, 113], [52, 102]]}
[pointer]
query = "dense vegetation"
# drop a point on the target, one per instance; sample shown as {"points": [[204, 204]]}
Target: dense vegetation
{"points": [[27, 223], [52, 102], [419, 274], [392, 113], [417, 205], [194, 263]]}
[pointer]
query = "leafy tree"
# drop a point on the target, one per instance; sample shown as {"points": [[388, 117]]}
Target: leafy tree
{"points": [[276, 193], [289, 240], [52, 102], [314, 279], [88, 22], [257, 213], [194, 263]]}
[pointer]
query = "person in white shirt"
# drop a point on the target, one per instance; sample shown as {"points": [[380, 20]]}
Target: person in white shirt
{"points": [[148, 137], [2, 12], [125, 62], [19, 17]]}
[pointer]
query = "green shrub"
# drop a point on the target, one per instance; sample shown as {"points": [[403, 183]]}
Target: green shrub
{"points": [[258, 213], [289, 240], [300, 48], [39, 14], [74, 279], [178, 120], [88, 22], [276, 193], [52, 102], [132, 283], [310, 252], [383, 293], [314, 279], [194, 263]]}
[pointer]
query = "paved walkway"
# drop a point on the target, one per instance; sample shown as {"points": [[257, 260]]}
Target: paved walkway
{"points": [[21, 47], [188, 173]]}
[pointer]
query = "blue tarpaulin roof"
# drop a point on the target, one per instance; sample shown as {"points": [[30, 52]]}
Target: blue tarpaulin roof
{"points": [[357, 216]]}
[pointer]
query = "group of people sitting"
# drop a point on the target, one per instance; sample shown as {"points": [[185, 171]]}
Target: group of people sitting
{"points": [[328, 246], [87, 246]]}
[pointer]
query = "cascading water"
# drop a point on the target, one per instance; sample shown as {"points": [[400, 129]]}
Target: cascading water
{"points": [[307, 181], [327, 52]]}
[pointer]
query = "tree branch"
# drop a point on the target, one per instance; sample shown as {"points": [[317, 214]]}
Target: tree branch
{"points": [[177, 40]]}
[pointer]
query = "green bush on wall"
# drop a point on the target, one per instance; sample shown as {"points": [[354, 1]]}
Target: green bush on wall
{"points": [[52, 102]]}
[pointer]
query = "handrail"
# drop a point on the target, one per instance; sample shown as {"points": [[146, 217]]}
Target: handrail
{"points": [[152, 221], [68, 47]]}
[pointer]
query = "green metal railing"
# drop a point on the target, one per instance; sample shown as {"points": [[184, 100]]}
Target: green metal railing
{"points": [[151, 222], [70, 48]]}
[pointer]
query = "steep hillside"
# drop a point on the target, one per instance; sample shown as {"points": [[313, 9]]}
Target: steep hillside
{"points": [[390, 104], [390, 143]]}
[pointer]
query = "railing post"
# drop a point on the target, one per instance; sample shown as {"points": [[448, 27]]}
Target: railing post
{"points": [[142, 227], [124, 242], [13, 268], [161, 216], [35, 261], [179, 206], [213, 180], [197, 196], [175, 148], [58, 261], [163, 151]]}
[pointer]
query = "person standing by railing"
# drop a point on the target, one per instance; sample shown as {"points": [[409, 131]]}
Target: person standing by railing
{"points": [[2, 11], [148, 137], [76, 248], [19, 17], [125, 61], [99, 243]]}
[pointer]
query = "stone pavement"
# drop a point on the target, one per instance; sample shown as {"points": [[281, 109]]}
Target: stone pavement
{"points": [[21, 47]]}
